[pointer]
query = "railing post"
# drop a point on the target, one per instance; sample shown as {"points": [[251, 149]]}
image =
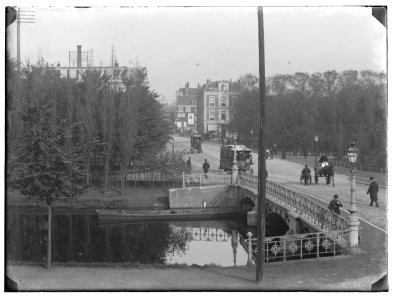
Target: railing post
{"points": [[183, 179], [249, 248]]}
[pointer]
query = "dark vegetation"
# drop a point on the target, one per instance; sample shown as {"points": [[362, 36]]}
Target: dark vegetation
{"points": [[337, 107]]}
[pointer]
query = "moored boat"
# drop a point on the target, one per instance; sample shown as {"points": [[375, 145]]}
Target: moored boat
{"points": [[128, 216]]}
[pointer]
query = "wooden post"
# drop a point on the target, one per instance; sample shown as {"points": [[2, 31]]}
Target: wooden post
{"points": [[261, 209], [49, 244]]}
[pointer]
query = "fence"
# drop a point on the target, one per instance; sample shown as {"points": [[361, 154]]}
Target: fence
{"points": [[343, 163], [25, 202], [317, 214], [300, 246], [205, 179]]}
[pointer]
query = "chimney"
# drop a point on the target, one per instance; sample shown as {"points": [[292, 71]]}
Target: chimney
{"points": [[187, 85], [79, 56]]}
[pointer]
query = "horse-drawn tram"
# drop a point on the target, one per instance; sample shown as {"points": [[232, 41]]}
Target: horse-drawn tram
{"points": [[243, 157]]}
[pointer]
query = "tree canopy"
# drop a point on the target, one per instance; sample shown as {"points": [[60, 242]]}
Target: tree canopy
{"points": [[338, 107]]}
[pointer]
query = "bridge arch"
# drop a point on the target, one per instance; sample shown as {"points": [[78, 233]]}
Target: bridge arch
{"points": [[275, 225], [247, 203]]}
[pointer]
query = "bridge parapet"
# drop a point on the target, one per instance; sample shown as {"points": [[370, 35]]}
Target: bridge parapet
{"points": [[212, 178], [299, 246], [316, 213]]}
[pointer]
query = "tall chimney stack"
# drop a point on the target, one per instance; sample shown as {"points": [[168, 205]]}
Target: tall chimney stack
{"points": [[79, 56]]}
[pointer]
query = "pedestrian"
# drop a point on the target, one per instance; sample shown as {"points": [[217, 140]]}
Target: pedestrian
{"points": [[305, 174], [206, 167], [335, 204], [373, 190], [189, 165]]}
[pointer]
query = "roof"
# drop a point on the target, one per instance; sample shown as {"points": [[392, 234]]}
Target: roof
{"points": [[233, 86], [186, 100], [191, 91], [238, 147]]}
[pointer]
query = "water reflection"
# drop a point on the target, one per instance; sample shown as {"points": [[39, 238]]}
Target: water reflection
{"points": [[79, 237]]}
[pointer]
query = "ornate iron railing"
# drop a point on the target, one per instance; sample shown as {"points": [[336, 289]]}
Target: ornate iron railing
{"points": [[301, 246], [207, 234], [211, 178], [305, 207]]}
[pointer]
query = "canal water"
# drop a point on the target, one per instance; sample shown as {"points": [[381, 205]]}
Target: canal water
{"points": [[79, 237]]}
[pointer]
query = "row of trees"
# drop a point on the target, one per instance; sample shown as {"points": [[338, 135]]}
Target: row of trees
{"points": [[89, 122], [59, 130], [337, 107]]}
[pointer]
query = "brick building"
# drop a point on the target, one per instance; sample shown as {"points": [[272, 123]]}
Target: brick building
{"points": [[215, 106], [186, 109]]}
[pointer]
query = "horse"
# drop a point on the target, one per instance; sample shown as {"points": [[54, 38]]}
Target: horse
{"points": [[328, 172]]}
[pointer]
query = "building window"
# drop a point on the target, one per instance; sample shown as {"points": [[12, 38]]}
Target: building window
{"points": [[212, 115], [193, 102], [223, 115], [223, 87], [223, 101], [211, 101]]}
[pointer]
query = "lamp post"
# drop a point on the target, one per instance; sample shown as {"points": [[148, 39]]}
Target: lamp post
{"points": [[353, 222], [315, 150], [235, 168], [251, 133]]}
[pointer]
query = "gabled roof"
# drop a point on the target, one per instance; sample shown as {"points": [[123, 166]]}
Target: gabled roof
{"points": [[213, 86]]}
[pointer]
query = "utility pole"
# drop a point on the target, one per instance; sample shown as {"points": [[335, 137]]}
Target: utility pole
{"points": [[18, 45], [261, 208], [21, 17]]}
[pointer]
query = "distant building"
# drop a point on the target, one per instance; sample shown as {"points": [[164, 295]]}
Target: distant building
{"points": [[215, 106], [186, 109], [82, 61]]}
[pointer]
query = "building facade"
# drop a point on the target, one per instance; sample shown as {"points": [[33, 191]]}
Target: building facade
{"points": [[186, 110], [215, 106], [82, 61]]}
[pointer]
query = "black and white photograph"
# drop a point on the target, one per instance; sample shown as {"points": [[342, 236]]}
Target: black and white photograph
{"points": [[196, 146]]}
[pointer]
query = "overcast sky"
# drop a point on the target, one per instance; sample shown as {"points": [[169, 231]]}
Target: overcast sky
{"points": [[192, 44]]}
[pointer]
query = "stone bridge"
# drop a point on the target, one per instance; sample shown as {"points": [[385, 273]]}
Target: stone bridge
{"points": [[287, 211]]}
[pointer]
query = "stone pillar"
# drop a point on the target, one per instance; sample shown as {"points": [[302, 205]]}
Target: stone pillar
{"points": [[353, 222], [249, 249], [252, 218], [235, 171]]}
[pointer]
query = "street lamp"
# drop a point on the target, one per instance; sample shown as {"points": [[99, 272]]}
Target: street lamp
{"points": [[251, 132], [315, 149], [353, 223], [234, 136], [235, 168]]}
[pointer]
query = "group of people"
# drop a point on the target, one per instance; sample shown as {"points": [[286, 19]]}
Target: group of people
{"points": [[206, 166], [335, 204]]}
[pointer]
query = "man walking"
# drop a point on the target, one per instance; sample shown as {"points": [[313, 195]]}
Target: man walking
{"points": [[206, 167], [189, 165], [373, 190], [334, 205]]}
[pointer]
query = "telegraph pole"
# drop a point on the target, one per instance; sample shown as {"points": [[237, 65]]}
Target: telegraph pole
{"points": [[261, 208], [21, 17], [18, 40]]}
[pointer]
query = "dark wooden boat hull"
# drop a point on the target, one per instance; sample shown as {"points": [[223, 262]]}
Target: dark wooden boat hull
{"points": [[165, 216]]}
